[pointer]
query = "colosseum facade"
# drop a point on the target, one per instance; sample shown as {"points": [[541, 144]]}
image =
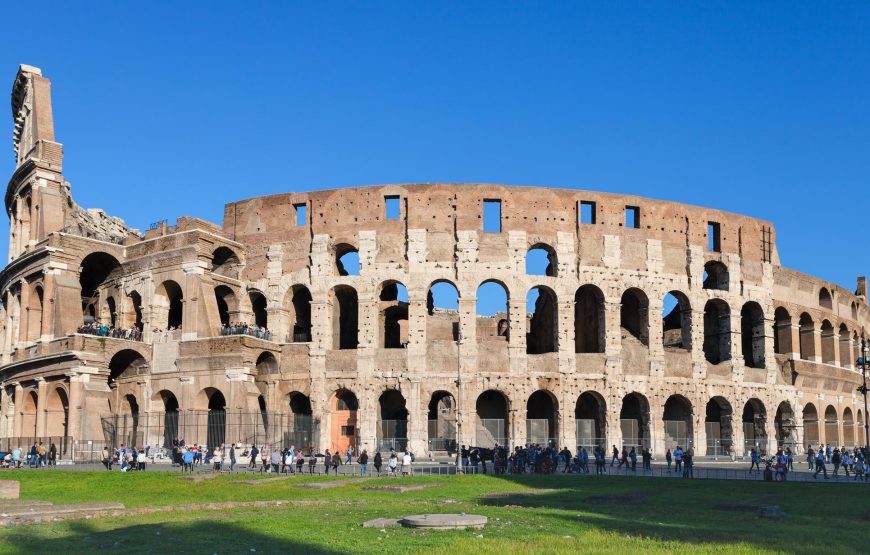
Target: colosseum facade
{"points": [[365, 323]]}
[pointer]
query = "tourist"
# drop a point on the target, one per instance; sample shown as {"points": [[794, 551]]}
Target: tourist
{"points": [[300, 462], [668, 458], [349, 454], [811, 457], [16, 456], [847, 462], [264, 459], [753, 458], [465, 454], [217, 460], [253, 461], [836, 459], [615, 457], [52, 455], [688, 464], [678, 459], [378, 460], [276, 460], [820, 464], [327, 462], [41, 453], [789, 460], [633, 456], [392, 463], [647, 459], [140, 460], [363, 463], [312, 462], [232, 456], [336, 462], [406, 463], [187, 459], [107, 460]]}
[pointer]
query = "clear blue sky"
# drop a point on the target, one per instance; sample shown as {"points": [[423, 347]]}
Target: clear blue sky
{"points": [[757, 108]]}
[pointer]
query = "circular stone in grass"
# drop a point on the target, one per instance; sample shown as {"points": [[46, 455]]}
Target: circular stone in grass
{"points": [[444, 521]]}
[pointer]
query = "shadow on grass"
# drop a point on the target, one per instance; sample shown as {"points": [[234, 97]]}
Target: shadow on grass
{"points": [[207, 535], [696, 511]]}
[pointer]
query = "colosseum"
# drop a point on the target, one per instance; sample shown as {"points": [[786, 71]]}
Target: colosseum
{"points": [[420, 316]]}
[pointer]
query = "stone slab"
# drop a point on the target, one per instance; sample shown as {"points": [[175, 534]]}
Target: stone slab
{"points": [[381, 523], [400, 489], [509, 494], [332, 483], [444, 521], [9, 489], [14, 503], [50, 510], [197, 477], [261, 481]]}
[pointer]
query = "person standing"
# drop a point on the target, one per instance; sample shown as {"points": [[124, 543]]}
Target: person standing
{"points": [[753, 458], [668, 458], [836, 459], [232, 457], [378, 460], [393, 463], [52, 455], [312, 462], [633, 456], [107, 458], [363, 463], [336, 462], [678, 459], [254, 453], [327, 462]]}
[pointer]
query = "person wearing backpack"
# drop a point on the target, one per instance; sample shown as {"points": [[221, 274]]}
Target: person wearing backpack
{"points": [[363, 463]]}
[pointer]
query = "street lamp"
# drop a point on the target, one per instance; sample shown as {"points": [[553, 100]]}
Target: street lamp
{"points": [[863, 388]]}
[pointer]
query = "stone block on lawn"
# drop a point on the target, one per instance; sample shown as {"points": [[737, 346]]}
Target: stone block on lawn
{"points": [[9, 489]]}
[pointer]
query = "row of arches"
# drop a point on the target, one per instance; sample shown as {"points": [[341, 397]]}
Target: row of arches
{"points": [[55, 413], [837, 346]]}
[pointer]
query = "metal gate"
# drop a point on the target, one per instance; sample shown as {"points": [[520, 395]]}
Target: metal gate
{"points": [[584, 431], [392, 435], [490, 431]]}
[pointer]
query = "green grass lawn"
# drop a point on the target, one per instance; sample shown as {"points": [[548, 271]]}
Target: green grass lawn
{"points": [[581, 514]]}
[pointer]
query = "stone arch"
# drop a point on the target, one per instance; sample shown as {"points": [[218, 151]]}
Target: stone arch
{"points": [[170, 416], [35, 313], [541, 260], [634, 314], [715, 276], [442, 311], [829, 354], [266, 364], [492, 418], [344, 316], [786, 426], [832, 427], [677, 419], [168, 303], [752, 334], [854, 310], [393, 314], [392, 421], [589, 320], [718, 424], [442, 422], [825, 299], [848, 428], [542, 423], [225, 262], [634, 421], [344, 429], [57, 413], [811, 425], [677, 321], [347, 262], [227, 303], [216, 421], [782, 344], [807, 337], [717, 331], [28, 414], [590, 421], [493, 308], [754, 426], [258, 308], [542, 322], [298, 306], [845, 338], [126, 364], [112, 311], [301, 423], [96, 269]]}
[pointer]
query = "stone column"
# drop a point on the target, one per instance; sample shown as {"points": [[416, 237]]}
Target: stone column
{"points": [[278, 324], [417, 333], [19, 406], [517, 339], [41, 406], [613, 338], [817, 344], [76, 394], [418, 431], [657, 426]]}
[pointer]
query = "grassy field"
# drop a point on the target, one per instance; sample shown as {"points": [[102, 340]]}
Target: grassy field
{"points": [[578, 514]]}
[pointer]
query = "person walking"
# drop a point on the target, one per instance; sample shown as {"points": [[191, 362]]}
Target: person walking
{"points": [[753, 458], [836, 459], [363, 463], [688, 464], [327, 462], [615, 457], [312, 462], [336, 462], [378, 460], [633, 456], [668, 458], [820, 464]]}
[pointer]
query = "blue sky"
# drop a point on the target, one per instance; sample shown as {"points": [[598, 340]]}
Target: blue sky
{"points": [[757, 108]]}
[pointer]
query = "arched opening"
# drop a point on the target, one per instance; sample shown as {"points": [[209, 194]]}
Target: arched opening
{"points": [[542, 321], [860, 434], [811, 425], [491, 410], [845, 347], [590, 417], [347, 260], [34, 314], [344, 421], [854, 310], [752, 334], [266, 364], [169, 298], [717, 424], [442, 422], [28, 415], [301, 423], [345, 330], [782, 332], [300, 313], [589, 315], [715, 276], [132, 318], [170, 418], [634, 315], [677, 418], [124, 365], [825, 299], [130, 412], [807, 336], [754, 427], [57, 414], [264, 416], [258, 307], [113, 313], [786, 427], [392, 422], [493, 319], [832, 429], [217, 418], [676, 322], [541, 424], [226, 303], [225, 262], [848, 428], [634, 421], [442, 312], [393, 315], [97, 269], [717, 331], [829, 355], [541, 261]]}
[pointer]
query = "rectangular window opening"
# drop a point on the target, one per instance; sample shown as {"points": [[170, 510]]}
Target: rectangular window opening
{"points": [[394, 208], [632, 216], [491, 216], [587, 212], [714, 239], [301, 214]]}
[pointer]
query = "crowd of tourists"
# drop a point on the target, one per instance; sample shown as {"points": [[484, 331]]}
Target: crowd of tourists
{"points": [[260, 332], [852, 461], [38, 456], [102, 330], [127, 459]]}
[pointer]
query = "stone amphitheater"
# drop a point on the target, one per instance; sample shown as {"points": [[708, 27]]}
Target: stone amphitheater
{"points": [[416, 316]]}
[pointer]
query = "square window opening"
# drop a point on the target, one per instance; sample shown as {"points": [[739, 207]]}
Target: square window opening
{"points": [[632, 216], [301, 214], [714, 238], [587, 212], [394, 208], [491, 216]]}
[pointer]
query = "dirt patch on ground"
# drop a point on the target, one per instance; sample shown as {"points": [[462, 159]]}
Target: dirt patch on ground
{"points": [[400, 489], [257, 481], [512, 494]]}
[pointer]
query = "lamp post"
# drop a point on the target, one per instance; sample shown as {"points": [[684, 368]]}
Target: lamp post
{"points": [[863, 388]]}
